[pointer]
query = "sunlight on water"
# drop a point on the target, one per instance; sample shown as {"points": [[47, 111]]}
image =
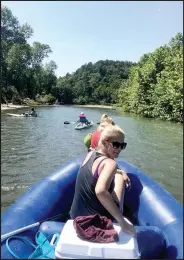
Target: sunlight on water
{"points": [[32, 148]]}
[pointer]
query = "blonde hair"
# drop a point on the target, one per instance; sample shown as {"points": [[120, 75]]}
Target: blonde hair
{"points": [[102, 126], [106, 118], [105, 121], [110, 133], [103, 117]]}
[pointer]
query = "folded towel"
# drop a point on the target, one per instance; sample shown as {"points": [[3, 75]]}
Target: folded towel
{"points": [[95, 228]]}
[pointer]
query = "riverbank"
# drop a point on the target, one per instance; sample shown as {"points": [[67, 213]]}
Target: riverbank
{"points": [[11, 106], [97, 106]]}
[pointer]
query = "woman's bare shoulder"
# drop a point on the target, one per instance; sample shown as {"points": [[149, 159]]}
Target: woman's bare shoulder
{"points": [[110, 162]]}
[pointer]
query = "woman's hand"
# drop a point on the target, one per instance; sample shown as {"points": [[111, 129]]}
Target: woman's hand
{"points": [[127, 227], [125, 178]]}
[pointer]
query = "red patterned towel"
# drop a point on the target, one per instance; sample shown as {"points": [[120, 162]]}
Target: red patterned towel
{"points": [[95, 228]]}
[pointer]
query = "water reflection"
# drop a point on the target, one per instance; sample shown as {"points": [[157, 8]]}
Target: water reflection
{"points": [[32, 148]]}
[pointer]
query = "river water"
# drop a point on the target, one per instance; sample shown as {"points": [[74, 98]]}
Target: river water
{"points": [[32, 148]]}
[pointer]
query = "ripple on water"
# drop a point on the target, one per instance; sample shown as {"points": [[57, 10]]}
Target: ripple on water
{"points": [[32, 149]]}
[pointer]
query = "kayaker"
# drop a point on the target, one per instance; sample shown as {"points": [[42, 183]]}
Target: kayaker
{"points": [[32, 112], [99, 187], [82, 119]]}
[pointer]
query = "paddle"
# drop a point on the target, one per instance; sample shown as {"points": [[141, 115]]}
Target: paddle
{"points": [[68, 122], [17, 231]]}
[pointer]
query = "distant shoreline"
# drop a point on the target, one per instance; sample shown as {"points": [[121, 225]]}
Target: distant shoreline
{"points": [[96, 106], [11, 106]]}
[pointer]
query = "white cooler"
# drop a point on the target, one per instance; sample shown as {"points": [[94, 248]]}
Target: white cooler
{"points": [[71, 246]]}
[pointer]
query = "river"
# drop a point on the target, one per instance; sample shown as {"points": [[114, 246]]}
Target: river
{"points": [[32, 148]]}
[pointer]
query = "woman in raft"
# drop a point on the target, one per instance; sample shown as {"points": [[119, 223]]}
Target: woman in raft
{"points": [[91, 139], [99, 186], [99, 189], [95, 137]]}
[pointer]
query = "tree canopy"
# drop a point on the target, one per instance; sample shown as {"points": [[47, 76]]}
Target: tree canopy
{"points": [[96, 83], [23, 73], [153, 87]]}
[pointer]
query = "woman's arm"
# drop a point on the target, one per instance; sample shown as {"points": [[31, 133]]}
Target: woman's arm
{"points": [[119, 188], [105, 178], [125, 178]]}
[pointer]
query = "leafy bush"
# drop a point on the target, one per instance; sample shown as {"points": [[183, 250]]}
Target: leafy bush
{"points": [[80, 100], [11, 95], [45, 99], [16, 100], [50, 99], [29, 102]]}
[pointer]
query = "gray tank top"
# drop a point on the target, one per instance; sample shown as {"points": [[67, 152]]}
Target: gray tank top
{"points": [[85, 201]]}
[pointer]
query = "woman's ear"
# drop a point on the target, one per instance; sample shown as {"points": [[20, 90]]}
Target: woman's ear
{"points": [[104, 142]]}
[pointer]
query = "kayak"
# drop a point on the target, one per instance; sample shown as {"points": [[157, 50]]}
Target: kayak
{"points": [[146, 204], [83, 126], [21, 115], [17, 115]]}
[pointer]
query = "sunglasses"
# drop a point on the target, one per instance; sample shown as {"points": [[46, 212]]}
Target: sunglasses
{"points": [[117, 145]]}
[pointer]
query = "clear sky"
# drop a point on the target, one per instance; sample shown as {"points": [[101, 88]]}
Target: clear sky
{"points": [[81, 32]]}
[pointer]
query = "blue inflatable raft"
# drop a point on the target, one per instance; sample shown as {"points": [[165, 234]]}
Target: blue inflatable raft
{"points": [[146, 204]]}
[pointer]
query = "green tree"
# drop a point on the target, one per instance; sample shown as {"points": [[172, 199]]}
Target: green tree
{"points": [[23, 73], [155, 86], [39, 52]]}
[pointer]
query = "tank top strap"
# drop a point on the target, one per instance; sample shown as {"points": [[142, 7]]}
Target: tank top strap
{"points": [[88, 154], [95, 175]]}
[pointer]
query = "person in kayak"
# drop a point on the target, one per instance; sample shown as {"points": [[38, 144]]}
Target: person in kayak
{"points": [[99, 187], [82, 119], [32, 112]]}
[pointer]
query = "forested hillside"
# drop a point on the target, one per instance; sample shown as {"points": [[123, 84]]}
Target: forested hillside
{"points": [[153, 87], [24, 76], [96, 83]]}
